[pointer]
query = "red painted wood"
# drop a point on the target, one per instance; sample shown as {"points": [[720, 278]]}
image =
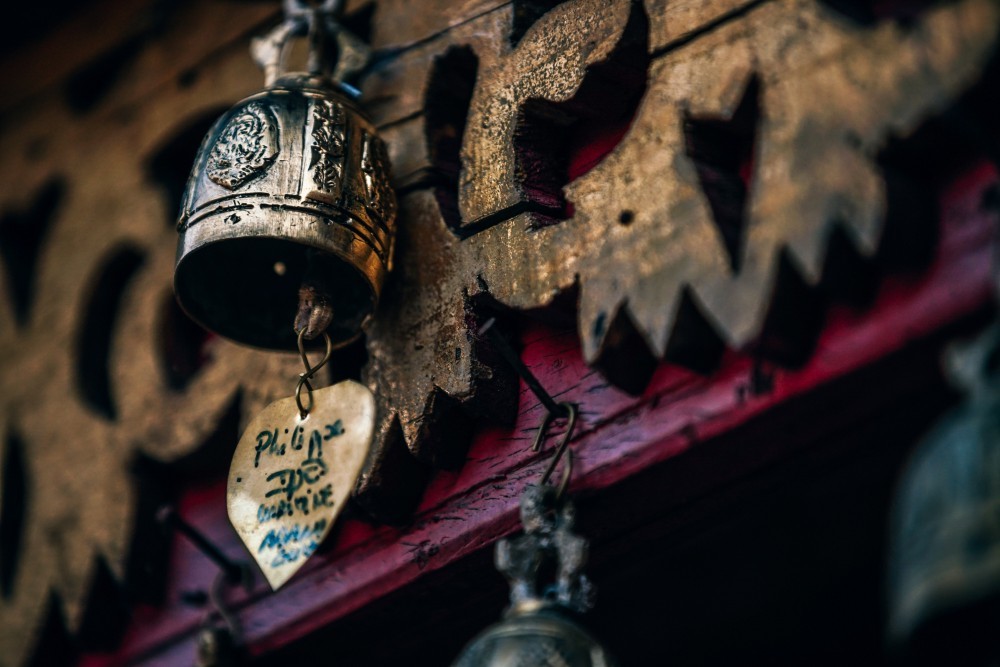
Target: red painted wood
{"points": [[619, 436]]}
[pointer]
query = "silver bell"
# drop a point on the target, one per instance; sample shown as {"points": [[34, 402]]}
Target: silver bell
{"points": [[538, 629]]}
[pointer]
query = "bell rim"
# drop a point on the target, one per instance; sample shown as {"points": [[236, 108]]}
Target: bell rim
{"points": [[943, 593], [374, 270], [372, 282]]}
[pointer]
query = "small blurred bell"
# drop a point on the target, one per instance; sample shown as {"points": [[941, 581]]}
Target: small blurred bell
{"points": [[944, 567], [289, 192], [538, 628]]}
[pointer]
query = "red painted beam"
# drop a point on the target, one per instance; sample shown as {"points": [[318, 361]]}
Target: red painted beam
{"points": [[619, 436]]}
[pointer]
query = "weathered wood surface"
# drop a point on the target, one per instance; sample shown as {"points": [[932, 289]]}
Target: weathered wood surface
{"points": [[142, 50], [99, 283], [643, 245]]}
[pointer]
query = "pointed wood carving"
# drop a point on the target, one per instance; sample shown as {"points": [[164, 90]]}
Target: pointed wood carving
{"points": [[643, 247]]}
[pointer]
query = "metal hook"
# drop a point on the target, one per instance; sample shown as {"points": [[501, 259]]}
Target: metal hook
{"points": [[231, 573], [570, 412], [309, 371], [220, 644], [235, 572], [512, 358], [219, 602], [317, 22], [553, 410], [295, 9]]}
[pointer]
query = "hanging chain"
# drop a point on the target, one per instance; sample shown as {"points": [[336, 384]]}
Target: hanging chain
{"points": [[309, 372], [333, 52]]}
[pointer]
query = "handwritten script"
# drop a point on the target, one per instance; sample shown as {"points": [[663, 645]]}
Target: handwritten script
{"points": [[292, 475], [296, 491]]}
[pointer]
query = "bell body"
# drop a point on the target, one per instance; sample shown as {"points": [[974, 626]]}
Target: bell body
{"points": [[290, 185], [540, 636], [944, 568]]}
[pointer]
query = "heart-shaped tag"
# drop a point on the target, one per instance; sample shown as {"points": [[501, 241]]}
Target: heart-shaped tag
{"points": [[291, 476]]}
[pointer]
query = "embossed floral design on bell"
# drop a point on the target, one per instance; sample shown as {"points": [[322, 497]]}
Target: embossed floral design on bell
{"points": [[538, 628], [291, 186]]}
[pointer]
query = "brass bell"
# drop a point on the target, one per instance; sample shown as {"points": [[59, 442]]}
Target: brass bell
{"points": [[538, 628], [944, 566], [290, 188], [541, 637]]}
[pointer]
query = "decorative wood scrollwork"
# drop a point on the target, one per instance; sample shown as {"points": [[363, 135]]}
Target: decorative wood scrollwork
{"points": [[656, 274]]}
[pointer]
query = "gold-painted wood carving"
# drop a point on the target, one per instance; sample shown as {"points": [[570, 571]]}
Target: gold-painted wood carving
{"points": [[644, 246]]}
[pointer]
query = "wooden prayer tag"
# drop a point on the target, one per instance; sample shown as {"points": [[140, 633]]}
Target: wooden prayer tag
{"points": [[291, 475]]}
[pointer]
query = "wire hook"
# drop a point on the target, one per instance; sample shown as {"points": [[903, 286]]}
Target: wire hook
{"points": [[553, 410], [236, 572], [570, 412], [217, 597], [514, 361]]}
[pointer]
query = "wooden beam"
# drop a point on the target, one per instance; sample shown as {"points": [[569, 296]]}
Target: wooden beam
{"points": [[465, 512]]}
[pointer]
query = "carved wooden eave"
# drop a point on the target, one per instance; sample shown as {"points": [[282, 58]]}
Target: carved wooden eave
{"points": [[644, 247], [87, 320]]}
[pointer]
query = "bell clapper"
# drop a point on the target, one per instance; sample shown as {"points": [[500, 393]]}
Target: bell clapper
{"points": [[315, 310]]}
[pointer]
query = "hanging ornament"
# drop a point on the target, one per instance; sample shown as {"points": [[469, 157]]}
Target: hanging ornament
{"points": [[289, 199], [286, 234], [538, 628], [944, 567], [295, 467]]}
